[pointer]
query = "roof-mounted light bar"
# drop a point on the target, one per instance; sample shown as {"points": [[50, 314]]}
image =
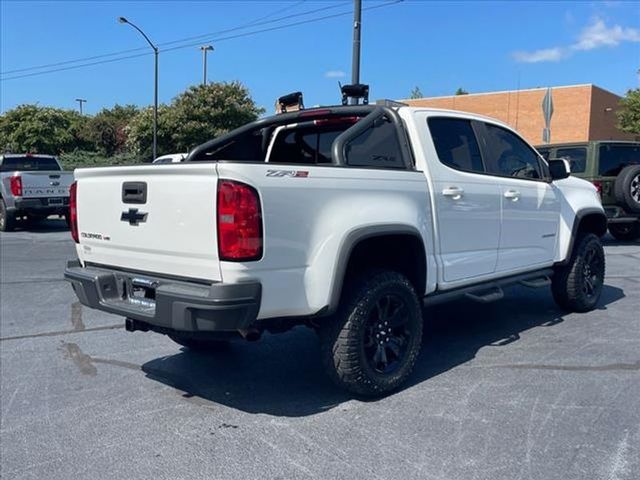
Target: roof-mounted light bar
{"points": [[290, 103], [355, 91]]}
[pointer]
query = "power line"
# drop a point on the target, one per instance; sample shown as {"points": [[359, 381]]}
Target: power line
{"points": [[253, 23], [213, 39]]}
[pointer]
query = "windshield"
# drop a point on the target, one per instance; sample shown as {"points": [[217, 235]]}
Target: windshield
{"points": [[613, 158], [29, 164]]}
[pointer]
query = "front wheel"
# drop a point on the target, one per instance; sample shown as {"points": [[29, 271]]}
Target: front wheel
{"points": [[625, 231], [577, 286], [371, 345]]}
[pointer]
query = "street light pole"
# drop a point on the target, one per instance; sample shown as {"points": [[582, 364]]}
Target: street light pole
{"points": [[205, 49], [80, 102], [155, 85], [355, 61]]}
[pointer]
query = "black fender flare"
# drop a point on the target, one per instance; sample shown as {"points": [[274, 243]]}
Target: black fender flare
{"points": [[348, 245]]}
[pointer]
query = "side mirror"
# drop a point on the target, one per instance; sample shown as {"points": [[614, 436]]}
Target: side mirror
{"points": [[559, 168]]}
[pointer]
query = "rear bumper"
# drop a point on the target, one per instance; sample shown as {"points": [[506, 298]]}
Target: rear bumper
{"points": [[41, 205], [166, 305]]}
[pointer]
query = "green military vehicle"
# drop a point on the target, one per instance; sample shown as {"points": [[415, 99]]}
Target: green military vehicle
{"points": [[614, 168]]}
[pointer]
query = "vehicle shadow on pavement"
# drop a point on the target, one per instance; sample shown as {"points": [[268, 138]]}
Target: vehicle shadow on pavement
{"points": [[282, 376], [43, 226]]}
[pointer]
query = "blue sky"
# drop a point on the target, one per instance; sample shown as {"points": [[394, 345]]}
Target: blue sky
{"points": [[438, 46]]}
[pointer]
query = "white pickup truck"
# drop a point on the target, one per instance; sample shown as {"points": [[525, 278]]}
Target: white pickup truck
{"points": [[32, 187], [346, 219]]}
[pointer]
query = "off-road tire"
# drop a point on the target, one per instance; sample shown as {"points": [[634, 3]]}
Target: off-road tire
{"points": [[627, 188], [7, 219], [577, 285], [199, 344], [625, 231], [346, 337]]}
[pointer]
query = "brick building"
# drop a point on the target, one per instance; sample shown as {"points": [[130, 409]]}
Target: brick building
{"points": [[581, 112]]}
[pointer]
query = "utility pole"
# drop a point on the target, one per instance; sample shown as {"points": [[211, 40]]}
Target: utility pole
{"points": [[80, 102], [205, 49], [355, 61]]}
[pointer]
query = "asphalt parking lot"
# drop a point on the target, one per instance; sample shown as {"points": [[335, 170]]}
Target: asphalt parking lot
{"points": [[510, 390]]}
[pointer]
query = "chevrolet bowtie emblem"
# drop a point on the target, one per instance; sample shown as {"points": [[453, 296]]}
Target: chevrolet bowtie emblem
{"points": [[134, 217]]}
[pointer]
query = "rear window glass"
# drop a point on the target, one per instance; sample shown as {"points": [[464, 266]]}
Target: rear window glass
{"points": [[456, 144], [613, 158], [304, 146], [577, 157], [28, 164]]}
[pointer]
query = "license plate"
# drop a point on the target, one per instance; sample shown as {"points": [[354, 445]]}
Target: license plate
{"points": [[55, 201]]}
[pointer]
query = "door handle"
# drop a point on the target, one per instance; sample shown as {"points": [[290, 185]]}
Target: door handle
{"points": [[512, 195], [454, 192]]}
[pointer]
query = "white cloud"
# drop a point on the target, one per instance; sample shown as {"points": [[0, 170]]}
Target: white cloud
{"points": [[545, 55], [599, 35], [335, 74], [595, 35]]}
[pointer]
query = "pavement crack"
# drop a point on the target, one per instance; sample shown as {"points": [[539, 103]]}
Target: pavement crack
{"points": [[62, 332], [576, 368]]}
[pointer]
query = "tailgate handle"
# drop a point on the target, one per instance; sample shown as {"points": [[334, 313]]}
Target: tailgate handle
{"points": [[134, 192]]}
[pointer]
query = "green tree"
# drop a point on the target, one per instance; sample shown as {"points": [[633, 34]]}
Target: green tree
{"points": [[31, 128], [416, 93], [629, 113], [107, 131], [199, 114], [461, 91]]}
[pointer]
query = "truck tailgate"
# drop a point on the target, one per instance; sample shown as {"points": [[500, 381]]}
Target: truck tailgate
{"points": [[45, 184], [156, 218]]}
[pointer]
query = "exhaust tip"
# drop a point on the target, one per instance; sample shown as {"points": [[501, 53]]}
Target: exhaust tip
{"points": [[251, 334]]}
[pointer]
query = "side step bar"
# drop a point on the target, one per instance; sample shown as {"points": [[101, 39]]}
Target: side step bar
{"points": [[491, 290]]}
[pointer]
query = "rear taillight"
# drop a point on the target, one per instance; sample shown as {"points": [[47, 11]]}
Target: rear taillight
{"points": [[73, 211], [239, 222], [16, 186], [598, 186]]}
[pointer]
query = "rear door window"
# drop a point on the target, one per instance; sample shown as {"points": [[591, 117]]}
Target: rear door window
{"points": [[613, 158], [577, 157], [511, 156], [456, 144]]}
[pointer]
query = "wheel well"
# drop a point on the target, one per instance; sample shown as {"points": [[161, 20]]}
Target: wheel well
{"points": [[593, 223], [403, 253]]}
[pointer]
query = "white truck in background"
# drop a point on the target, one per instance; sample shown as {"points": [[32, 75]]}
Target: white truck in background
{"points": [[32, 187], [346, 219]]}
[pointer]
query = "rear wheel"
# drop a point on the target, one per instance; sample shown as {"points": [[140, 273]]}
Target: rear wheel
{"points": [[577, 286], [625, 231], [7, 219], [371, 345], [198, 344]]}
